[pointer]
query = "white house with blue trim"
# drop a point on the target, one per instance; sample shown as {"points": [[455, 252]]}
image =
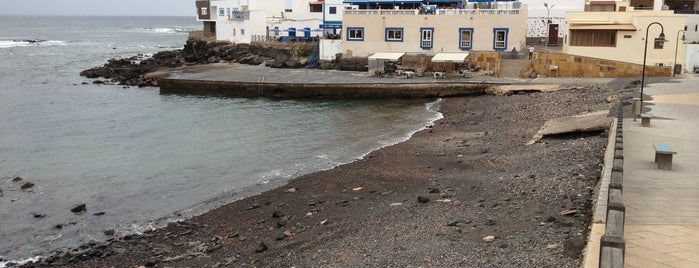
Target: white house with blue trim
{"points": [[430, 27], [245, 21]]}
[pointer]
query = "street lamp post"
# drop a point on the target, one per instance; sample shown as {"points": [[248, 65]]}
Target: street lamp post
{"points": [[676, 46], [661, 38], [548, 32]]}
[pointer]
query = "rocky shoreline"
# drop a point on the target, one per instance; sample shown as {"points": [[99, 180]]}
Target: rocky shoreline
{"points": [[132, 71], [466, 192]]}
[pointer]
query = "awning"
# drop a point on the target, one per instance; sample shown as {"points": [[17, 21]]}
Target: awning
{"points": [[450, 57], [386, 55], [600, 3], [619, 27]]}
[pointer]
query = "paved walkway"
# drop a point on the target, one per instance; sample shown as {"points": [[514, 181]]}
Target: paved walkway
{"points": [[662, 207]]}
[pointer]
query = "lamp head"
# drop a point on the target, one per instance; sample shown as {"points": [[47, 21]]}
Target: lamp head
{"points": [[661, 37], [546, 4], [683, 38]]}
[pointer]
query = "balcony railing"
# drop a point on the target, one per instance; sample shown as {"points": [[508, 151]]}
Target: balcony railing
{"points": [[239, 15], [439, 12]]}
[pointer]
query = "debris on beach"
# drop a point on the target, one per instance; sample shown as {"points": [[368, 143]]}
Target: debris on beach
{"points": [[589, 122]]}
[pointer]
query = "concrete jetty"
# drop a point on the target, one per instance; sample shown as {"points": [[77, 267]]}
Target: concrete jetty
{"points": [[236, 80]]}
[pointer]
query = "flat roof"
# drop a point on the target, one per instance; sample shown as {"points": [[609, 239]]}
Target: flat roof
{"points": [[386, 55], [450, 57]]}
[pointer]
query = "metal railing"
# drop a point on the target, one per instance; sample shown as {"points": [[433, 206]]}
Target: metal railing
{"points": [[439, 12]]}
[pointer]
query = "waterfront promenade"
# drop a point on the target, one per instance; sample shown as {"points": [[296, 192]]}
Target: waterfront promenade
{"points": [[662, 206]]}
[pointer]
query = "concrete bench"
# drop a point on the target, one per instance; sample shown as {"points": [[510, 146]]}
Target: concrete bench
{"points": [[663, 156], [645, 119]]}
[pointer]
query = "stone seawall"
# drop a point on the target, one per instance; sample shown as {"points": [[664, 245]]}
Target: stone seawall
{"points": [[303, 90]]}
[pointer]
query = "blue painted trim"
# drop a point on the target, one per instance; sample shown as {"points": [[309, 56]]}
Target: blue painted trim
{"points": [[507, 33], [432, 36], [355, 28], [465, 47], [394, 29]]}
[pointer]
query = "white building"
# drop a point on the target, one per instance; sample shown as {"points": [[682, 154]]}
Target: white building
{"points": [[554, 11], [244, 21]]}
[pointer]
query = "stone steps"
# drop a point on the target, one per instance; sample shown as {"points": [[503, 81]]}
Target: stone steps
{"points": [[511, 68]]}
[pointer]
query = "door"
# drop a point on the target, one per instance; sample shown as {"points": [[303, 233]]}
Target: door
{"points": [[553, 34]]}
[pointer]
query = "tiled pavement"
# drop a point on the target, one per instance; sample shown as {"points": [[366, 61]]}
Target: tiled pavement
{"points": [[662, 207]]}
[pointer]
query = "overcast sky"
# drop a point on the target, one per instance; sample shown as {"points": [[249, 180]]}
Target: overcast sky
{"points": [[99, 7]]}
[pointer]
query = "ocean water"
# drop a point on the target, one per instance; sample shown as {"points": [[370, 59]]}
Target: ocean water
{"points": [[138, 159]]}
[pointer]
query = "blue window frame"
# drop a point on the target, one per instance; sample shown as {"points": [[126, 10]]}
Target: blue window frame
{"points": [[500, 38], [394, 35], [465, 38], [355, 33], [426, 38], [333, 10], [222, 12]]}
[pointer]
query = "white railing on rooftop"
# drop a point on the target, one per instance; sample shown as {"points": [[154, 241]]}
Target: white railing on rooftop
{"points": [[439, 12]]}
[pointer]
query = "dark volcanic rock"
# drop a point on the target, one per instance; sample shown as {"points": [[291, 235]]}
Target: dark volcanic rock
{"points": [[423, 199], [17, 179], [79, 209], [262, 247], [26, 186], [131, 71]]}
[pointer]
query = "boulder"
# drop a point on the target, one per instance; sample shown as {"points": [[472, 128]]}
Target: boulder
{"points": [[26, 186], [78, 209]]}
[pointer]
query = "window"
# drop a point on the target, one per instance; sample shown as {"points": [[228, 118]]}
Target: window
{"points": [[500, 39], [355, 34], [204, 11], [465, 38], [593, 38], [222, 12], [316, 8], [233, 31], [228, 11], [242, 31], [333, 10], [394, 34], [426, 37]]}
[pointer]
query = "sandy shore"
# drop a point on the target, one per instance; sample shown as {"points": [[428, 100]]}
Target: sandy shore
{"points": [[427, 202]]}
